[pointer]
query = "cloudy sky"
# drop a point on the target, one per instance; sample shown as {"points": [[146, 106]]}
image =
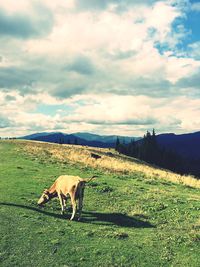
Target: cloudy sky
{"points": [[103, 66]]}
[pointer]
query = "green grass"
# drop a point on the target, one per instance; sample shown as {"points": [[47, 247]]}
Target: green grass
{"points": [[128, 220]]}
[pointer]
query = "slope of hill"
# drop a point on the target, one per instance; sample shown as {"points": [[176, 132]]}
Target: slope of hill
{"points": [[130, 217], [186, 145], [109, 160]]}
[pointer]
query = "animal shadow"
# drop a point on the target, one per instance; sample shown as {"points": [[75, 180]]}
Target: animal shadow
{"points": [[118, 219], [92, 217]]}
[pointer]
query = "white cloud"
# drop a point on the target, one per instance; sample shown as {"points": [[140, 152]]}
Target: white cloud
{"points": [[13, 6], [179, 115], [195, 7], [97, 35], [106, 114], [195, 50], [80, 32], [177, 68], [103, 65]]}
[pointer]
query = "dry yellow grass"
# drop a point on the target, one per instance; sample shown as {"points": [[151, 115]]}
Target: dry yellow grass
{"points": [[110, 160]]}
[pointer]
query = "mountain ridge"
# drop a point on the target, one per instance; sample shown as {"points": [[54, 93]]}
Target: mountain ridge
{"points": [[186, 145], [81, 138]]}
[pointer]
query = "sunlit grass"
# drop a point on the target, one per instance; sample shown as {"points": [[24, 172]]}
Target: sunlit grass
{"points": [[129, 218], [110, 160]]}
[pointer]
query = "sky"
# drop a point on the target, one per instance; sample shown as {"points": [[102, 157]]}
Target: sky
{"points": [[102, 66]]}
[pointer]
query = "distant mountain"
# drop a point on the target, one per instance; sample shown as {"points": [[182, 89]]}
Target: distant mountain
{"points": [[105, 138], [56, 138], [35, 135], [186, 145], [86, 139]]}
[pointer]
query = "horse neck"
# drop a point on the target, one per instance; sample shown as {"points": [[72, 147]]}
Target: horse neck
{"points": [[52, 191]]}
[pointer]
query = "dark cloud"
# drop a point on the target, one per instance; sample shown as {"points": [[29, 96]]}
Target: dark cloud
{"points": [[190, 82], [92, 4], [81, 65], [39, 74], [5, 123], [142, 121], [107, 83], [18, 78], [102, 81], [65, 91], [175, 122], [121, 5], [145, 86], [139, 121], [122, 55], [22, 26], [35, 77], [9, 98]]}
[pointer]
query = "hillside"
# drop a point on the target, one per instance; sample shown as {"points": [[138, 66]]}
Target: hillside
{"points": [[110, 160], [186, 145], [132, 216], [178, 153]]}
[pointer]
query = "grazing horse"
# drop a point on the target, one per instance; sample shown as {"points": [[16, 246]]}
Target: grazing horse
{"points": [[63, 186]]}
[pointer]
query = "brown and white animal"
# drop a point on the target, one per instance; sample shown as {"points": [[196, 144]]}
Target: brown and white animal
{"points": [[66, 185]]}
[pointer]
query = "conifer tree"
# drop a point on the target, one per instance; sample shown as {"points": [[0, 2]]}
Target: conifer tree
{"points": [[76, 141], [117, 144]]}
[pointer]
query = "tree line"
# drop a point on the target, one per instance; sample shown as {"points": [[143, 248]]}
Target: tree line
{"points": [[63, 140], [147, 149]]}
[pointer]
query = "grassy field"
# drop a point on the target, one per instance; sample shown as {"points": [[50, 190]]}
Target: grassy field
{"points": [[129, 218]]}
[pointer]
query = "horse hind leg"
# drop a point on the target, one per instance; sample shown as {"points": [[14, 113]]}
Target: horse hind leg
{"points": [[74, 206]]}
